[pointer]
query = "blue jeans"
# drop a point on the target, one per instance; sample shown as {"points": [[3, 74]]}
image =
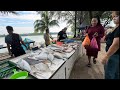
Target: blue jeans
{"points": [[112, 67]]}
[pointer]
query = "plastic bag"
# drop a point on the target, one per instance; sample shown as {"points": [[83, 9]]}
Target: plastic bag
{"points": [[86, 41], [93, 43]]}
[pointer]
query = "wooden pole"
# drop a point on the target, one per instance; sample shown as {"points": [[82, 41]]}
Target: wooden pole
{"points": [[75, 23]]}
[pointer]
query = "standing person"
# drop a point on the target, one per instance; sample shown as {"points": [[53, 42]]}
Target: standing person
{"points": [[47, 37], [14, 42], [95, 30], [111, 58], [62, 34]]}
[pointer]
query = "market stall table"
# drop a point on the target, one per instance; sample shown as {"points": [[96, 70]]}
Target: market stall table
{"points": [[60, 69]]}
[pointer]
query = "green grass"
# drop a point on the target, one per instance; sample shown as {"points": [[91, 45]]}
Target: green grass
{"points": [[70, 36]]}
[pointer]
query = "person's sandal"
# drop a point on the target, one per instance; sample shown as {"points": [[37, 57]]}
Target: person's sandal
{"points": [[94, 61], [89, 65]]}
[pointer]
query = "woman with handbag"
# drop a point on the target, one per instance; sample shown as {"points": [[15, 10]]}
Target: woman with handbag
{"points": [[95, 31]]}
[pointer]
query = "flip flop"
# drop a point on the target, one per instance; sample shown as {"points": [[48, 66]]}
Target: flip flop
{"points": [[94, 61], [89, 65]]}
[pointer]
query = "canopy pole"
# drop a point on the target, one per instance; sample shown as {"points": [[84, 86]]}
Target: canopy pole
{"points": [[75, 23]]}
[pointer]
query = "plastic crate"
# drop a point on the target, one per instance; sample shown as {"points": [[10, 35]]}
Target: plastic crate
{"points": [[6, 68]]}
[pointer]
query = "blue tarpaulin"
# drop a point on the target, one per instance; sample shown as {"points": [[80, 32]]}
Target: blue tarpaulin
{"points": [[27, 43], [68, 41]]}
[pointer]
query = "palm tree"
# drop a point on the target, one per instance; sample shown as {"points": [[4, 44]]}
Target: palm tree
{"points": [[46, 21], [7, 12]]}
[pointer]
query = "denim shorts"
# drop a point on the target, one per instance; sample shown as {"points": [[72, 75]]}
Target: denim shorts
{"points": [[112, 67]]}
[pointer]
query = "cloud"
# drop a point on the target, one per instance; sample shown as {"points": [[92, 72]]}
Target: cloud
{"points": [[24, 15], [23, 23], [24, 19]]}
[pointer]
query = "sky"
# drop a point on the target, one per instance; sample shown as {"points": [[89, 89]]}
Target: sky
{"points": [[23, 23]]}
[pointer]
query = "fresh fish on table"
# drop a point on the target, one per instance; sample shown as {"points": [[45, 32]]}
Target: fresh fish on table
{"points": [[69, 50], [49, 50], [48, 62], [54, 45], [54, 48], [50, 57], [41, 56], [42, 67], [75, 46], [58, 55], [24, 65], [39, 75]]}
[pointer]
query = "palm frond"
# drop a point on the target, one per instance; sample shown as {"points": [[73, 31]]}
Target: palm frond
{"points": [[7, 12], [54, 23], [40, 29], [70, 21], [40, 22], [46, 21]]}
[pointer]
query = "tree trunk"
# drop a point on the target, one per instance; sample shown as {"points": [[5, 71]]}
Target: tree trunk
{"points": [[75, 23], [81, 18], [90, 15]]}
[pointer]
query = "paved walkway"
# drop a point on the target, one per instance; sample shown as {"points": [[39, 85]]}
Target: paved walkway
{"points": [[81, 71]]}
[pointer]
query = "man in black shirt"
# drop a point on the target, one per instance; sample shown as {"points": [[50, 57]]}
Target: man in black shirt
{"points": [[14, 42], [62, 34]]}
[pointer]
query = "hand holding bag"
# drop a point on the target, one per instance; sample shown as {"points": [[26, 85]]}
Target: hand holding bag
{"points": [[93, 43], [86, 41]]}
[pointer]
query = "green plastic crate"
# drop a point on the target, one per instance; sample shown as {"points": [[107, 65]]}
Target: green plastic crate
{"points": [[6, 68]]}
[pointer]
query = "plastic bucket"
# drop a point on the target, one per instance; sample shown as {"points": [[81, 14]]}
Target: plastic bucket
{"points": [[59, 43], [19, 75]]}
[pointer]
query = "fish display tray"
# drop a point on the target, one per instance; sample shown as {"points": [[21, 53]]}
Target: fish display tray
{"points": [[6, 68]]}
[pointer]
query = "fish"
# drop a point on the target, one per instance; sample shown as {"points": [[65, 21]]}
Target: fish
{"points": [[41, 56], [42, 67], [58, 55], [50, 57], [24, 65], [69, 50]]}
